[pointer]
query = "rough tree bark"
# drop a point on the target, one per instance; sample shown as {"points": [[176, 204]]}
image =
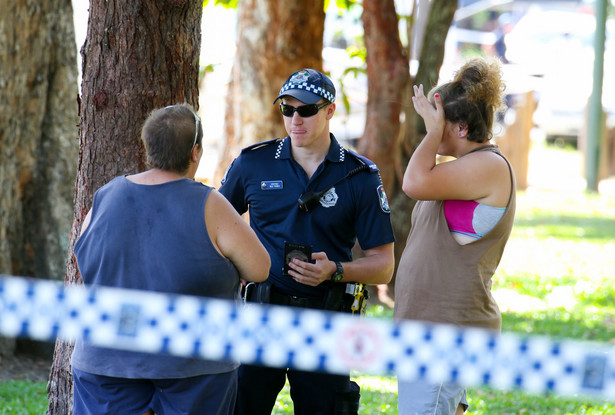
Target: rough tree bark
{"points": [[388, 76], [274, 39], [38, 138], [138, 56]]}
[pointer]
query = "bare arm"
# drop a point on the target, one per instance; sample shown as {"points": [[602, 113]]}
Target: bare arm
{"points": [[417, 176], [235, 239], [376, 267]]}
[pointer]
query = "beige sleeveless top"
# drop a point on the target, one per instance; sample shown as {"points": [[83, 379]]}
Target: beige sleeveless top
{"points": [[439, 280]]}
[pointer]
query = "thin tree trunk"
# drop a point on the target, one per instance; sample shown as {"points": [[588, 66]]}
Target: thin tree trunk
{"points": [[138, 56], [388, 75], [274, 39], [38, 138], [441, 15]]}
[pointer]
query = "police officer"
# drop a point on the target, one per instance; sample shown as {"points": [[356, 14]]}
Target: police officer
{"points": [[308, 190]]}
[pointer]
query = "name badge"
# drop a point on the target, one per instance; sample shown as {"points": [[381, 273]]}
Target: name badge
{"points": [[272, 185]]}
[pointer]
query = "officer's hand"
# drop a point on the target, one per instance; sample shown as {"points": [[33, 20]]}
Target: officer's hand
{"points": [[312, 274]]}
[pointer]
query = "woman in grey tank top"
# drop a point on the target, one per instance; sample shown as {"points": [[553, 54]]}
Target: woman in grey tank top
{"points": [[441, 278]]}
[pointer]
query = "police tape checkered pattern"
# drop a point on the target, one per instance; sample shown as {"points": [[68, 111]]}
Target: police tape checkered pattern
{"points": [[303, 339]]}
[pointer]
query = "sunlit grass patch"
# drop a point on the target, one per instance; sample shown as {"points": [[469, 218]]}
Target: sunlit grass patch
{"points": [[378, 394], [489, 402]]}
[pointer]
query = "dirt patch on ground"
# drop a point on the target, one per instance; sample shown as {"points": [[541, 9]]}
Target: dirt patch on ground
{"points": [[24, 367]]}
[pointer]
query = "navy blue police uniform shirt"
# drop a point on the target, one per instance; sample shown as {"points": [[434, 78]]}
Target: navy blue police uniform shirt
{"points": [[267, 180]]}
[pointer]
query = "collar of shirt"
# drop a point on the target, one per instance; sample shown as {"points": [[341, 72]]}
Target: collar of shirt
{"points": [[336, 154]]}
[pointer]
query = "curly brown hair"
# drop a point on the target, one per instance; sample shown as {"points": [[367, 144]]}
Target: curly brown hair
{"points": [[474, 95]]}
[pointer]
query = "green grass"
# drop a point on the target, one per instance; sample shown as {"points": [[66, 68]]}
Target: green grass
{"points": [[23, 397], [555, 279]]}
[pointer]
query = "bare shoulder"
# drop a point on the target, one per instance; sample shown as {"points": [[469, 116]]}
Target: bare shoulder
{"points": [[496, 176], [219, 214], [219, 204], [484, 161]]}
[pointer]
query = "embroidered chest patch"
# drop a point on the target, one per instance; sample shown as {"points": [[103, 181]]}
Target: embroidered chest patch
{"points": [[329, 199]]}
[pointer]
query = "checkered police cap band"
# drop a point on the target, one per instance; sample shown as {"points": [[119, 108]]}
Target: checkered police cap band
{"points": [[309, 80], [310, 88]]}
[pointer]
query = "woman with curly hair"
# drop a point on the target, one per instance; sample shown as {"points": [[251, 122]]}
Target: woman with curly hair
{"points": [[461, 222]]}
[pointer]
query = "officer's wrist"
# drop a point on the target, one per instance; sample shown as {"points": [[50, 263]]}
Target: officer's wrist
{"points": [[338, 274]]}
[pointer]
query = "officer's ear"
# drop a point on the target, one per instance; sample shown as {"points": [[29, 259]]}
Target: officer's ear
{"points": [[330, 110]]}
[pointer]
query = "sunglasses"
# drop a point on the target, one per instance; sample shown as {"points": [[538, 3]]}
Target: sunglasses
{"points": [[304, 111], [197, 120]]}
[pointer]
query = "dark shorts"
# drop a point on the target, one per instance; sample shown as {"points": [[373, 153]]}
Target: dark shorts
{"points": [[207, 394], [313, 393]]}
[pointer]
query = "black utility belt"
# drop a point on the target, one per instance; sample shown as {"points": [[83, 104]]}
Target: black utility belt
{"points": [[344, 297]]}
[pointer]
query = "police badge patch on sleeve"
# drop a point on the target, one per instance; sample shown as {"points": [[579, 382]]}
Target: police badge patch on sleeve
{"points": [[223, 181], [384, 202]]}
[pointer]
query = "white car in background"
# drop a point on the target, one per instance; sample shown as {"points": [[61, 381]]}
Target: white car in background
{"points": [[558, 47]]}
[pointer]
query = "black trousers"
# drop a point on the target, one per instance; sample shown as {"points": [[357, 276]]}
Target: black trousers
{"points": [[313, 393]]}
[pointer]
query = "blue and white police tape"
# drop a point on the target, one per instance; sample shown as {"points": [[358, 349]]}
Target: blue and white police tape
{"points": [[303, 339]]}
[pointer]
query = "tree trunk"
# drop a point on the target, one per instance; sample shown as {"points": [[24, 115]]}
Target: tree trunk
{"points": [[38, 138], [138, 56], [388, 76], [274, 39]]}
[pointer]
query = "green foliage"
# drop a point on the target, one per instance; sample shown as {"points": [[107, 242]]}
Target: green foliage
{"points": [[229, 4], [344, 4], [355, 52]]}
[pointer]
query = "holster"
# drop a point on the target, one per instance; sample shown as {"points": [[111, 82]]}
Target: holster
{"points": [[261, 293]]}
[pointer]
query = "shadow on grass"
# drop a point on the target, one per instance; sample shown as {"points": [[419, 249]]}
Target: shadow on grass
{"points": [[567, 227]]}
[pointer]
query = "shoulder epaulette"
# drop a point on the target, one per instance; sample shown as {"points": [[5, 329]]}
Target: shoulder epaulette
{"points": [[364, 161], [261, 144]]}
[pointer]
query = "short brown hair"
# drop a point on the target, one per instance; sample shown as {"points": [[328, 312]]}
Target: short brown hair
{"points": [[168, 135]]}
